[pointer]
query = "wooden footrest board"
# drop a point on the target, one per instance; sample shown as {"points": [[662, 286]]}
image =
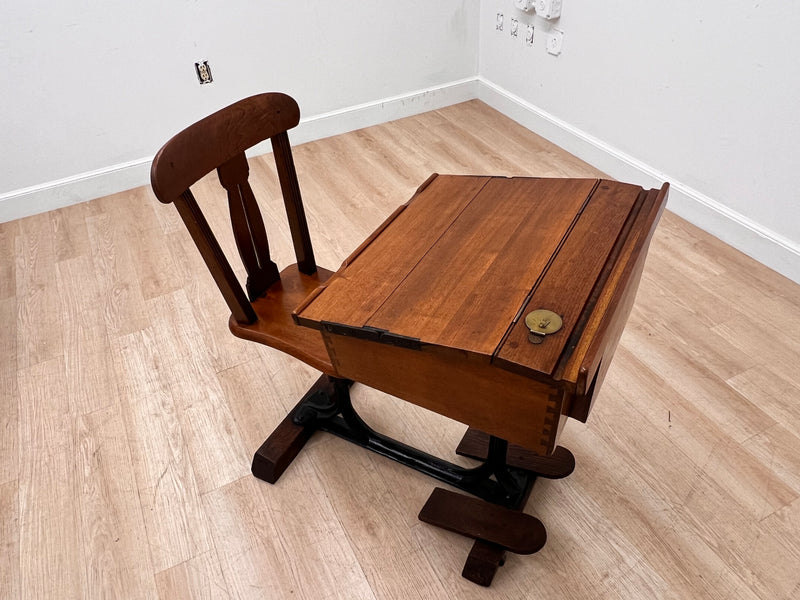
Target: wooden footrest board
{"points": [[557, 465], [514, 530]]}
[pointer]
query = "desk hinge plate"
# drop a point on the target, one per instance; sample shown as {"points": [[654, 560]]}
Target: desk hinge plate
{"points": [[373, 334]]}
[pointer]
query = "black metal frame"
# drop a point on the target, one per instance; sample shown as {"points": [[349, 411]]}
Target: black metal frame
{"points": [[505, 476], [330, 409]]}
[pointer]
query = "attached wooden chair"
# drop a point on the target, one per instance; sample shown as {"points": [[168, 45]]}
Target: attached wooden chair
{"points": [[219, 142], [264, 315]]}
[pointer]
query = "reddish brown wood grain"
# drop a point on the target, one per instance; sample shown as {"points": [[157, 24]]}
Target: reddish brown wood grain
{"points": [[187, 157], [363, 285], [592, 356], [248, 226], [215, 259], [512, 529], [451, 276], [565, 288], [467, 288], [459, 386], [275, 327], [557, 465], [219, 142], [293, 202]]}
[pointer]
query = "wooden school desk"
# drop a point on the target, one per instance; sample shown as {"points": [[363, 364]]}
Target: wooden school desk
{"points": [[497, 302]]}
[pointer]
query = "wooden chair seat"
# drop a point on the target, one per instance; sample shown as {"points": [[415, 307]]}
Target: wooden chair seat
{"points": [[275, 327]]}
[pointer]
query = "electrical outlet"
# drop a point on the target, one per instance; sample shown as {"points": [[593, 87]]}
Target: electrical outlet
{"points": [[203, 72], [498, 25], [529, 35], [526, 5], [555, 40], [514, 27], [548, 9]]}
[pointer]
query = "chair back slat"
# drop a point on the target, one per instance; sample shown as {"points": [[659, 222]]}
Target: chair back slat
{"points": [[287, 176], [214, 258], [248, 226]]}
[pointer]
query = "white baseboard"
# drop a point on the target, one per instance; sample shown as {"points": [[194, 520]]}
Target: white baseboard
{"points": [[382, 111], [764, 245], [72, 190], [755, 240], [102, 182]]}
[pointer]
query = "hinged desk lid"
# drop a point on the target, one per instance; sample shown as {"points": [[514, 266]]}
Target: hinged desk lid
{"points": [[458, 268]]}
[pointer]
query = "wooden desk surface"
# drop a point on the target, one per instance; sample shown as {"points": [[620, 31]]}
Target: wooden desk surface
{"points": [[451, 275]]}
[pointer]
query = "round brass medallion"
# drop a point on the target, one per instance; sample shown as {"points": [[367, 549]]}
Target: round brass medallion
{"points": [[542, 322]]}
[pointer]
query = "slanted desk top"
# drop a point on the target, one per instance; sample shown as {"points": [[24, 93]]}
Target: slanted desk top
{"points": [[431, 307]]}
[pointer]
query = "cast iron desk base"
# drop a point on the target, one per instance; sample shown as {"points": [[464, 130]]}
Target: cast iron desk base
{"points": [[502, 482]]}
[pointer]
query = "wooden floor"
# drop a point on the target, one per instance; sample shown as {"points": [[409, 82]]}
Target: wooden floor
{"points": [[129, 414]]}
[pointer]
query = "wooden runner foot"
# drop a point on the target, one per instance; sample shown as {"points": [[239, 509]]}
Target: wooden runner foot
{"points": [[513, 530], [483, 562], [559, 464], [285, 442]]}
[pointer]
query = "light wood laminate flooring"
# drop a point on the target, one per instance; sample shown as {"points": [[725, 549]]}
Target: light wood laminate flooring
{"points": [[129, 414]]}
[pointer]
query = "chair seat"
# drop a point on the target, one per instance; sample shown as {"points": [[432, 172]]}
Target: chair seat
{"points": [[275, 326]]}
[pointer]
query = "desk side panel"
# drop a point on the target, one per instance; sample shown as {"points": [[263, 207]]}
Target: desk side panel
{"points": [[592, 357], [465, 388]]}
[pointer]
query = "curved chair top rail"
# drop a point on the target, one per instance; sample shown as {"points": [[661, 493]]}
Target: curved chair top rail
{"points": [[219, 142], [202, 147]]}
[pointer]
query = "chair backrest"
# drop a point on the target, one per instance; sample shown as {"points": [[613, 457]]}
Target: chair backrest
{"points": [[219, 142]]}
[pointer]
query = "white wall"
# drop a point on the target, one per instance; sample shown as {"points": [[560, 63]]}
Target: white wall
{"points": [[703, 94], [92, 89]]}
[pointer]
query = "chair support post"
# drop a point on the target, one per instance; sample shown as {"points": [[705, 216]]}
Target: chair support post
{"points": [[287, 176]]}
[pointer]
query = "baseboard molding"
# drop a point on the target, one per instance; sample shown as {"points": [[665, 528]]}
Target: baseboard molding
{"points": [[102, 182], [72, 190], [755, 240], [762, 244], [381, 111]]}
